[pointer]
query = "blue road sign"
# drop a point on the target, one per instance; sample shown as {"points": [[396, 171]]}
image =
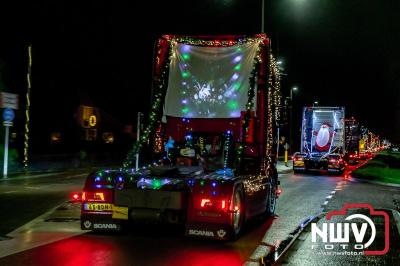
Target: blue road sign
{"points": [[8, 115]]}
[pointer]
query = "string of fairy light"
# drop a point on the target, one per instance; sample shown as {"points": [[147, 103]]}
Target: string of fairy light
{"points": [[27, 109], [160, 87], [249, 104]]}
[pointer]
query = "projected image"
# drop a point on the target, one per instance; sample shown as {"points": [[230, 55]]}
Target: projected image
{"points": [[209, 82]]}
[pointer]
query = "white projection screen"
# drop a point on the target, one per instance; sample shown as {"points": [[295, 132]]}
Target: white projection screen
{"points": [[209, 82]]}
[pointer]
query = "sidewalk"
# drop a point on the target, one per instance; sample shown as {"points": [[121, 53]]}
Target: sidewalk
{"points": [[282, 169]]}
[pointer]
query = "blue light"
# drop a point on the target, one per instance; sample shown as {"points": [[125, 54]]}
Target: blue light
{"points": [[98, 186], [235, 76], [214, 193], [237, 59], [97, 179], [120, 179], [213, 184], [185, 48]]}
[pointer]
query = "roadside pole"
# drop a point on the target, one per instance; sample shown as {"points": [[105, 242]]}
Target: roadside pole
{"points": [[277, 145], [286, 154], [8, 116], [5, 168], [137, 139]]}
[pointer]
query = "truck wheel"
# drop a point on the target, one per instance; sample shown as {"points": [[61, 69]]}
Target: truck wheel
{"points": [[271, 202], [239, 212]]}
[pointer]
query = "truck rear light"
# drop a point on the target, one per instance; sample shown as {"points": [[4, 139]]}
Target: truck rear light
{"points": [[332, 161], [223, 204], [95, 196], [214, 204], [205, 202], [298, 158]]}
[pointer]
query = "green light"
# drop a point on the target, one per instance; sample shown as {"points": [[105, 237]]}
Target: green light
{"points": [[156, 184], [236, 86], [202, 182], [238, 49], [237, 67], [185, 110], [232, 104], [186, 56], [185, 74]]}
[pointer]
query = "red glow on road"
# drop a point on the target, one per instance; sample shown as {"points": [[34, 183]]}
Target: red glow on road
{"points": [[206, 258]]}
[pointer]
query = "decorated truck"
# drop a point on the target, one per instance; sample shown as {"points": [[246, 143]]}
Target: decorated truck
{"points": [[352, 141], [208, 139], [322, 140]]}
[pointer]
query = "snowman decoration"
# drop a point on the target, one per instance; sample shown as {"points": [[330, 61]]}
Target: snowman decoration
{"points": [[324, 138]]}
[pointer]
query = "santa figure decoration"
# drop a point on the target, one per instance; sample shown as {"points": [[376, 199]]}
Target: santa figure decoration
{"points": [[324, 138]]}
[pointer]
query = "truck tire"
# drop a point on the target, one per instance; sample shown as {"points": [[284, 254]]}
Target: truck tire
{"points": [[239, 215]]}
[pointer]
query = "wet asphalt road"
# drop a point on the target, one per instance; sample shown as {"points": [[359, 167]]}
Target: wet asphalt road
{"points": [[166, 245], [303, 195], [23, 199], [351, 191]]}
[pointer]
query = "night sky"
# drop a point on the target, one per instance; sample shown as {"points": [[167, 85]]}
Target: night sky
{"points": [[338, 52]]}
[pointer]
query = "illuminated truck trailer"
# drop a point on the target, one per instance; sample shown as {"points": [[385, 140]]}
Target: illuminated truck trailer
{"points": [[322, 140]]}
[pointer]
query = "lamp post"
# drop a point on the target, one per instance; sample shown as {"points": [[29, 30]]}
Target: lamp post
{"points": [[291, 118]]}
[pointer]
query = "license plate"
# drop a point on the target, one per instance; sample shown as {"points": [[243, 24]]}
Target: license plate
{"points": [[98, 207]]}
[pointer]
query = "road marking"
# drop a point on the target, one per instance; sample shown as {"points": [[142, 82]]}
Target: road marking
{"points": [[80, 175], [12, 191], [333, 192], [37, 233], [329, 196]]}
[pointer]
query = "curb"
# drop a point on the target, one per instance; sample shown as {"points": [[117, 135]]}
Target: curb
{"points": [[285, 171], [375, 182]]}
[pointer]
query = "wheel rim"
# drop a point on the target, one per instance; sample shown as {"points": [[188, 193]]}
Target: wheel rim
{"points": [[237, 204]]}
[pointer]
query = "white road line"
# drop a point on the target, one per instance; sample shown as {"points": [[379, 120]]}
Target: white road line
{"points": [[80, 175], [329, 197], [38, 233], [12, 191]]}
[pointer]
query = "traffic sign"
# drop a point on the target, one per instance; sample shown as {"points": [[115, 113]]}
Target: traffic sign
{"points": [[8, 115], [9, 100]]}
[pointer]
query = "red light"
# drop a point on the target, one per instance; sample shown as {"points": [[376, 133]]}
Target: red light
{"points": [[278, 191], [205, 202], [236, 208], [223, 204], [96, 196], [332, 161], [75, 196]]}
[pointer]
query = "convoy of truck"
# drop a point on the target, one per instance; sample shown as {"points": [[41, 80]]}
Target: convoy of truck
{"points": [[208, 158], [329, 141]]}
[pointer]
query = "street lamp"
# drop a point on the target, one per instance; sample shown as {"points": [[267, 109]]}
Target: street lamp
{"points": [[315, 103], [291, 118]]}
